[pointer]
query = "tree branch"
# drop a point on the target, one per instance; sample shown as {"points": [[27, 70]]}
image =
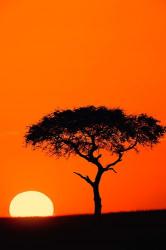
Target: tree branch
{"points": [[113, 170], [89, 157], [76, 149], [99, 156], [80, 154], [120, 153], [114, 163], [130, 147], [86, 178], [94, 146], [92, 158]]}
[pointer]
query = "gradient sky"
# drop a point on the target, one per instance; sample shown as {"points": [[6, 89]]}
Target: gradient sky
{"points": [[64, 54]]}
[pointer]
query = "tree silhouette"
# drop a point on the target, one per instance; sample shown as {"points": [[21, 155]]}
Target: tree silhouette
{"points": [[88, 132]]}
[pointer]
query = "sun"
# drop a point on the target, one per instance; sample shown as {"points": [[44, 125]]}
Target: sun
{"points": [[31, 203]]}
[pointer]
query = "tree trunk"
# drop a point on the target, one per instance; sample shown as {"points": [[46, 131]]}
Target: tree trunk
{"points": [[97, 198], [97, 201]]}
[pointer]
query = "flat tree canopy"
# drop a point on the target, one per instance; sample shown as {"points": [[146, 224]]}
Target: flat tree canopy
{"points": [[87, 129]]}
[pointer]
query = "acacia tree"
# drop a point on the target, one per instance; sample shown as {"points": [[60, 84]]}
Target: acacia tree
{"points": [[88, 132]]}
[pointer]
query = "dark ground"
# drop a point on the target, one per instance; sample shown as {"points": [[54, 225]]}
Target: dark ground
{"points": [[119, 231]]}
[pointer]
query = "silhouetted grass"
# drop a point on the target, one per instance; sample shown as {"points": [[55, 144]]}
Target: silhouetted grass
{"points": [[128, 230]]}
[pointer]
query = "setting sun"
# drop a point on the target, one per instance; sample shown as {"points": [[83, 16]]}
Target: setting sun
{"points": [[31, 203]]}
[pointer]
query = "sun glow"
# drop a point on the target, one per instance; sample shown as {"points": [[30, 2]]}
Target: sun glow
{"points": [[31, 203]]}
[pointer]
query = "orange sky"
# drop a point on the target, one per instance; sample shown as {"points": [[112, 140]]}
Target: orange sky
{"points": [[58, 54]]}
